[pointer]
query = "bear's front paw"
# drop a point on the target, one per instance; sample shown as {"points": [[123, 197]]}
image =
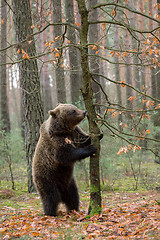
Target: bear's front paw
{"points": [[92, 149]]}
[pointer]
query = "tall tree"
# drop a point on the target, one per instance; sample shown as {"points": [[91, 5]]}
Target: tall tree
{"points": [[158, 70], [156, 116], [59, 70], [87, 92], [29, 81], [75, 80], [117, 75], [93, 38], [3, 75], [135, 46], [128, 71]]}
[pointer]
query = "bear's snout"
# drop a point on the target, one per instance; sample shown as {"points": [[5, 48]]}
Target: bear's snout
{"points": [[84, 112]]}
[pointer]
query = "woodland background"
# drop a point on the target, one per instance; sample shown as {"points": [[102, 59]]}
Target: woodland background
{"points": [[41, 66], [123, 48], [100, 55]]}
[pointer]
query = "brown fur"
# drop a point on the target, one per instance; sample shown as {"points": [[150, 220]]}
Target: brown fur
{"points": [[60, 145]]}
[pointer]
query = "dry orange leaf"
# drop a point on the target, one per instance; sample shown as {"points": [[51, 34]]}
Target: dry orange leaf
{"points": [[47, 44], [113, 12], [150, 51], [18, 51], [148, 131], [131, 98], [149, 102], [158, 106], [77, 24], [122, 149], [67, 140], [122, 85], [146, 116], [147, 41], [57, 54], [104, 25], [2, 21], [23, 51], [136, 147], [94, 48], [125, 54]]}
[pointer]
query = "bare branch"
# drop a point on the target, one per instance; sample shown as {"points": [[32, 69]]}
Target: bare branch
{"points": [[128, 85], [125, 7]]}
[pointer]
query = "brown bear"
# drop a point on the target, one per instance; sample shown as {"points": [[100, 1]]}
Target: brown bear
{"points": [[60, 145]]}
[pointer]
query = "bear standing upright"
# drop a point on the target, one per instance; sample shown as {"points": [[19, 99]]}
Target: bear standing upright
{"points": [[60, 145]]}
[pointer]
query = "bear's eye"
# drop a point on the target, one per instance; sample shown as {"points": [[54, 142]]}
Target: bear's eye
{"points": [[73, 112]]}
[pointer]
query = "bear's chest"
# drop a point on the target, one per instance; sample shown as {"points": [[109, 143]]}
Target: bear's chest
{"points": [[64, 175]]}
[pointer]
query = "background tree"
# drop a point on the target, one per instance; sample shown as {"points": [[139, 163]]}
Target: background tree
{"points": [[93, 38], [75, 80], [87, 93], [58, 38], [3, 70], [29, 81]]}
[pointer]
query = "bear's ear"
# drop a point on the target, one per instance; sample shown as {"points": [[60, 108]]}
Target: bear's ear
{"points": [[58, 104], [52, 113]]}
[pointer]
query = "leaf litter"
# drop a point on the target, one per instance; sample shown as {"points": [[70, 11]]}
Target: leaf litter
{"points": [[124, 216]]}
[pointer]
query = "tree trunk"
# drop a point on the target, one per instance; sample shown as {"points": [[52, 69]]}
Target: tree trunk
{"points": [[158, 70], [45, 80], [4, 100], [75, 80], [117, 77], [128, 71], [29, 82], [95, 194], [94, 62], [135, 46], [156, 116], [59, 71]]}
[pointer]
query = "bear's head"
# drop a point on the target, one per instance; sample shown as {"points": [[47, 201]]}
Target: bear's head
{"points": [[65, 117]]}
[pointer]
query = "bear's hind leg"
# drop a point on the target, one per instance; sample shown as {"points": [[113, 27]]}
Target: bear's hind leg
{"points": [[71, 197], [50, 200]]}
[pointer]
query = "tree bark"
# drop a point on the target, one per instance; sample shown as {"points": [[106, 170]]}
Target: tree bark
{"points": [[135, 46], [128, 72], [94, 62], [4, 98], [87, 92], [75, 80], [32, 110], [59, 71], [158, 70], [156, 116], [117, 76]]}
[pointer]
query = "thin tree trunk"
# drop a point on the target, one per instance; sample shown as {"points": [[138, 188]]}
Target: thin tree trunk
{"points": [[134, 46], [59, 71], [4, 99], [117, 76], [128, 71], [29, 82], [156, 116], [158, 70], [45, 80], [95, 193], [94, 62], [75, 80]]}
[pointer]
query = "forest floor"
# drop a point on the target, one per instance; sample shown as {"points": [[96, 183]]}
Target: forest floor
{"points": [[131, 215]]}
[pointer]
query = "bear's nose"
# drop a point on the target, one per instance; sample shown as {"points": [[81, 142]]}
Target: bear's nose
{"points": [[84, 112]]}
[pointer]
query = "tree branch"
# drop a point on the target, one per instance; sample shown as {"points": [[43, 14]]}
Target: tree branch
{"points": [[126, 84], [125, 7]]}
